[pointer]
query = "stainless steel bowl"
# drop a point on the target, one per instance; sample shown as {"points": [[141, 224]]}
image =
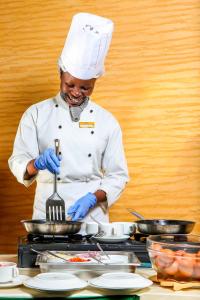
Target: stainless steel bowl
{"points": [[43, 227]]}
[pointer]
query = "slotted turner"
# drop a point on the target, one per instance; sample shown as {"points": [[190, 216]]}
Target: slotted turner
{"points": [[55, 205]]}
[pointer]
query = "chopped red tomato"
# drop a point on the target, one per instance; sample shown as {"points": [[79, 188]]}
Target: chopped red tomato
{"points": [[78, 259]]}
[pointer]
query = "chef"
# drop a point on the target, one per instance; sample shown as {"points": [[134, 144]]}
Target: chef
{"points": [[91, 165]]}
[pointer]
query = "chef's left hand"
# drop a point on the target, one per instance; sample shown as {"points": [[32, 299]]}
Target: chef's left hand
{"points": [[82, 206]]}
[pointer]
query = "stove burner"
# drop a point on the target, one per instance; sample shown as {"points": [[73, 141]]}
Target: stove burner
{"points": [[140, 237]]}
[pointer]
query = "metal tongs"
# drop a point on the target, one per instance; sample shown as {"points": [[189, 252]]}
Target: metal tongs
{"points": [[65, 260], [102, 251], [49, 252], [98, 260]]}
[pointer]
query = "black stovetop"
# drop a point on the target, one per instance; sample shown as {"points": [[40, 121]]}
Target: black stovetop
{"points": [[76, 242]]}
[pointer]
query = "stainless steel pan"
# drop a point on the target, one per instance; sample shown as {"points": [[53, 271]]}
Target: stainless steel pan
{"points": [[44, 227], [159, 226], [162, 226]]}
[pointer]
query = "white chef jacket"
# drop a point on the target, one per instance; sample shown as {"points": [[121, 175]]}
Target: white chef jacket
{"points": [[92, 158]]}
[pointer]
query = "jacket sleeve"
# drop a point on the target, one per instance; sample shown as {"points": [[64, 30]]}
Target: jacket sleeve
{"points": [[25, 146], [114, 166]]}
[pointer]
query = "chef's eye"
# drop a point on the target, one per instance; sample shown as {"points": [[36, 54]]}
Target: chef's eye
{"points": [[70, 85], [85, 88]]}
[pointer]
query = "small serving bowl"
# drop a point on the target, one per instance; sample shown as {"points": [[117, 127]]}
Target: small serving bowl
{"points": [[175, 257]]}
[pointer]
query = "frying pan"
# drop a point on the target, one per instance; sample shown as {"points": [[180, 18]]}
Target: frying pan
{"points": [[162, 226], [44, 227]]}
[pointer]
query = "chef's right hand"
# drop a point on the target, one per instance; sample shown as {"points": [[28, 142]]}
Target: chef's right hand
{"points": [[48, 160]]}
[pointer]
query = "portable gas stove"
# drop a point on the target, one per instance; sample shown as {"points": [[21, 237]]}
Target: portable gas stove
{"points": [[76, 242]]}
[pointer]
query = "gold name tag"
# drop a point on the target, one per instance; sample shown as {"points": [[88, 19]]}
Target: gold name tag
{"points": [[86, 124]]}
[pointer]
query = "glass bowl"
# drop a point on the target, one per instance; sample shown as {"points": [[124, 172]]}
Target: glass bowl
{"points": [[175, 257]]}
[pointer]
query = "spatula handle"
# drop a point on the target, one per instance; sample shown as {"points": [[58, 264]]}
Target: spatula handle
{"points": [[57, 146]]}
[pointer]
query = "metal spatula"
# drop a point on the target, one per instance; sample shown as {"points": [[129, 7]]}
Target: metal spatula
{"points": [[55, 205]]}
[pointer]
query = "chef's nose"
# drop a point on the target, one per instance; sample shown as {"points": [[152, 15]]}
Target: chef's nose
{"points": [[76, 92]]}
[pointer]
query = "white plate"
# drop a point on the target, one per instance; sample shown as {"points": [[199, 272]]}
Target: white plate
{"points": [[120, 281], [111, 239], [16, 281], [55, 282]]}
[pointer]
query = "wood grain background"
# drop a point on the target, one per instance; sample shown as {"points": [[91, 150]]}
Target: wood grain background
{"points": [[152, 86]]}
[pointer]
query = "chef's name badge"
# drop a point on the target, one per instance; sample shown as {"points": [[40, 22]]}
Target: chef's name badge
{"points": [[86, 124]]}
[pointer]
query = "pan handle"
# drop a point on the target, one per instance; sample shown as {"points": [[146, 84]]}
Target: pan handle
{"points": [[136, 214]]}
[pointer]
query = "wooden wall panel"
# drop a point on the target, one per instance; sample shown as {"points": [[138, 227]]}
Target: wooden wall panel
{"points": [[152, 85]]}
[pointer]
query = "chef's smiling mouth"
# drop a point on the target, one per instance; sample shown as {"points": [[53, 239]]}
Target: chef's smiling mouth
{"points": [[73, 101]]}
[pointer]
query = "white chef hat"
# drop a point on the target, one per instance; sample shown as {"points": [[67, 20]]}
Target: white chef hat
{"points": [[86, 46]]}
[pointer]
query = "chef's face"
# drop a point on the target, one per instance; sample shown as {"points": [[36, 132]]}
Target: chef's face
{"points": [[75, 90]]}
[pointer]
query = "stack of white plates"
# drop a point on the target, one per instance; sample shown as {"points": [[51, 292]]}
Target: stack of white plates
{"points": [[120, 281], [55, 282]]}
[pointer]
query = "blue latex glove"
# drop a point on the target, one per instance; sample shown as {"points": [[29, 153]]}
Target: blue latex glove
{"points": [[82, 206], [48, 160]]}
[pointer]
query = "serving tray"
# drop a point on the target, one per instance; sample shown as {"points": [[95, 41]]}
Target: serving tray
{"points": [[118, 261]]}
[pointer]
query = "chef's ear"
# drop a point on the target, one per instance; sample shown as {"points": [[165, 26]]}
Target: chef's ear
{"points": [[61, 71]]}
